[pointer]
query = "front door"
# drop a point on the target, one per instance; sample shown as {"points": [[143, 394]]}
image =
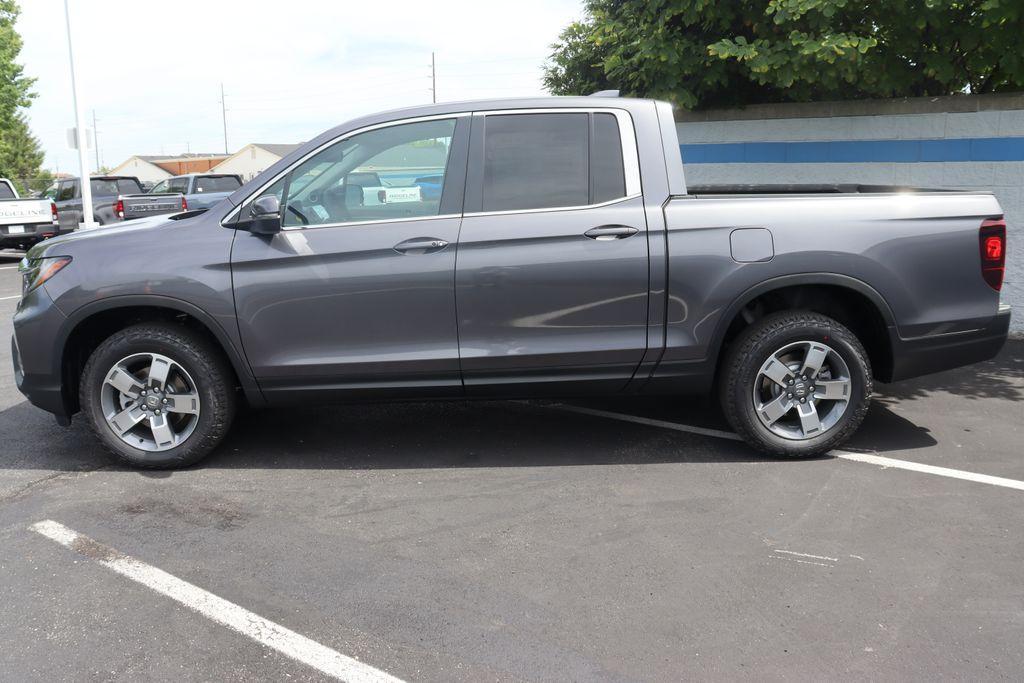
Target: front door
{"points": [[356, 292], [552, 275]]}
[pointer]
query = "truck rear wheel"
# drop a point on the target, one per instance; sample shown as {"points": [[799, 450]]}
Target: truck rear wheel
{"points": [[796, 384], [158, 395]]}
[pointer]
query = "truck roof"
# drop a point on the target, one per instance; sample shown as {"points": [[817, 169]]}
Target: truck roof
{"points": [[599, 101]]}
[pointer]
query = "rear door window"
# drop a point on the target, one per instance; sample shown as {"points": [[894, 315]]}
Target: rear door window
{"points": [[545, 161], [535, 161], [179, 185], [65, 191]]}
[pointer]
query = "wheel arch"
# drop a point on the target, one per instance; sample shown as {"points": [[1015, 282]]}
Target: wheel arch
{"points": [[851, 301], [89, 325]]}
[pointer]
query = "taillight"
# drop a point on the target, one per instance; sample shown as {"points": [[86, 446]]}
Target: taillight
{"points": [[184, 203], [53, 212], [119, 208], [992, 240], [382, 196]]}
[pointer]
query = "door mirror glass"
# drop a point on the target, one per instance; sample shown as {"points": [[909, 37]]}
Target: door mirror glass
{"points": [[266, 215]]}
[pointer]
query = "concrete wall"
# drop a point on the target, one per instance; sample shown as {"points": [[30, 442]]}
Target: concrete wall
{"points": [[965, 142]]}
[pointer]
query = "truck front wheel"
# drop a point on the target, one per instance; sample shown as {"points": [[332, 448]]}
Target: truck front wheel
{"points": [[796, 384], [158, 395]]}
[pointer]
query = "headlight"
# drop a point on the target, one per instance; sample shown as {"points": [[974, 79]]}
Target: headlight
{"points": [[36, 271]]}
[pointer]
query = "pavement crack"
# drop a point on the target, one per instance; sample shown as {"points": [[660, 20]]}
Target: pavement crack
{"points": [[42, 481]]}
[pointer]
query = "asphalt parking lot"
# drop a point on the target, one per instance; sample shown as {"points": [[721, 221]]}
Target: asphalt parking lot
{"points": [[525, 541]]}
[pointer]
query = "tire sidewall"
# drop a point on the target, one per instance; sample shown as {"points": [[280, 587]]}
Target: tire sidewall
{"points": [[125, 344], [748, 367]]}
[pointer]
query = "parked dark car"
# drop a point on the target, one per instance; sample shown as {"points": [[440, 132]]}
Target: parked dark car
{"points": [[584, 266], [105, 190]]}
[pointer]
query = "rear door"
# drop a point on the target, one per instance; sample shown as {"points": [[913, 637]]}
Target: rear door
{"points": [[356, 293], [552, 275], [68, 211]]}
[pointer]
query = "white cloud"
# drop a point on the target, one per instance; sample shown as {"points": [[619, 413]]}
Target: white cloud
{"points": [[152, 70]]}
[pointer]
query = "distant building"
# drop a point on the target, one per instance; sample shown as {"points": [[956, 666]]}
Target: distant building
{"points": [[253, 159], [151, 169]]}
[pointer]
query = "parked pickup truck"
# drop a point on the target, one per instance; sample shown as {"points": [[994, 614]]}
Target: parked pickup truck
{"points": [[23, 222], [585, 266], [132, 206], [201, 190], [105, 193]]}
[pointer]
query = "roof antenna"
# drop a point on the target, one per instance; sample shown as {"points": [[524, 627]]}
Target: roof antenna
{"points": [[605, 93]]}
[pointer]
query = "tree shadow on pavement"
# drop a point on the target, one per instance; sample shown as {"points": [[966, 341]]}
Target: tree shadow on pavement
{"points": [[1002, 378]]}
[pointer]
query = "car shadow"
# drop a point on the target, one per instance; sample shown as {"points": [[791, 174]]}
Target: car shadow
{"points": [[432, 435], [498, 433]]}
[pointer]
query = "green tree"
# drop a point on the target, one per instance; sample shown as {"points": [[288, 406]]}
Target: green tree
{"points": [[20, 156], [701, 53]]}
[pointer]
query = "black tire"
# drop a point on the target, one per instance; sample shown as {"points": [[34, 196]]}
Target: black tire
{"points": [[753, 347], [205, 364]]}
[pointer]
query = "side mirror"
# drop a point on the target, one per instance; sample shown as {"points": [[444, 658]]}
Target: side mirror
{"points": [[266, 216]]}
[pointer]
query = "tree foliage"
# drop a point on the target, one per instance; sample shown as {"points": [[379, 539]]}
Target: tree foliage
{"points": [[20, 155], [701, 53]]}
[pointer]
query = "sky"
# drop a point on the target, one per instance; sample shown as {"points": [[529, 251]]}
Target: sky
{"points": [[152, 71]]}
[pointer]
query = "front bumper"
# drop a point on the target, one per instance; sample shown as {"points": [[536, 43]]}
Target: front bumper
{"points": [[37, 363], [926, 355]]}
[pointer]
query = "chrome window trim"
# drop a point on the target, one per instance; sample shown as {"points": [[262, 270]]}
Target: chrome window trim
{"points": [[627, 136], [345, 136], [345, 224], [473, 214]]}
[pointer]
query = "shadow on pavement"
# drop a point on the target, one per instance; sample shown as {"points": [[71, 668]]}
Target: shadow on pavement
{"points": [[1002, 377], [8, 257], [496, 433]]}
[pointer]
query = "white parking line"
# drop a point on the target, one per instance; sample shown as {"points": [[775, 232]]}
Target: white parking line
{"points": [[4, 298], [8, 267], [845, 455], [263, 631]]}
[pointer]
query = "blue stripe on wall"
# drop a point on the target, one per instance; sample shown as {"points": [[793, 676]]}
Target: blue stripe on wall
{"points": [[855, 151]]}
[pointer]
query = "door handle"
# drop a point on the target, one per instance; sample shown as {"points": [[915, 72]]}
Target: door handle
{"points": [[420, 245], [605, 233]]}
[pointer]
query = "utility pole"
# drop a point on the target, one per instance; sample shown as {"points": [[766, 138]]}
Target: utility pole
{"points": [[96, 140], [83, 165], [433, 77], [224, 117]]}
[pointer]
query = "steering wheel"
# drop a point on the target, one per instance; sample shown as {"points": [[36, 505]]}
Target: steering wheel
{"points": [[301, 216]]}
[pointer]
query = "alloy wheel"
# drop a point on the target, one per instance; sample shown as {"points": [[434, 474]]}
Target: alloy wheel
{"points": [[802, 390], [150, 402]]}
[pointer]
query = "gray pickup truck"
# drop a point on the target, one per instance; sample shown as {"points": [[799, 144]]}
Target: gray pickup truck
{"points": [[24, 222], [105, 193], [564, 255], [200, 190]]}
